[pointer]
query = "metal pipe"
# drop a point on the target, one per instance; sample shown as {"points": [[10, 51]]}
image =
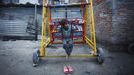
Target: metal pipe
{"points": [[35, 23]]}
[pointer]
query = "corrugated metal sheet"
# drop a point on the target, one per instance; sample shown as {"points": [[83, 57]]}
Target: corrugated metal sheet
{"points": [[13, 28], [15, 21]]}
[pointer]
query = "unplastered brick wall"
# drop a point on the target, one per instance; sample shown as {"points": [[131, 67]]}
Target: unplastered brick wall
{"points": [[103, 21], [114, 23], [123, 24]]}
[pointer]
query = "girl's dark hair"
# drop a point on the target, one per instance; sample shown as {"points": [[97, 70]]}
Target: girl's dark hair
{"points": [[64, 21]]}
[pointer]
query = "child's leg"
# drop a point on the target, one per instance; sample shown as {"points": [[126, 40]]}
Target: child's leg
{"points": [[70, 49], [65, 46], [67, 49], [68, 46]]}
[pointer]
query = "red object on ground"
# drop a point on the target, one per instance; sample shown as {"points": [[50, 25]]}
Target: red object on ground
{"points": [[70, 69], [66, 70]]}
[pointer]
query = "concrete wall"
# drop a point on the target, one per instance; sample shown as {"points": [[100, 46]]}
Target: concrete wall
{"points": [[114, 23]]}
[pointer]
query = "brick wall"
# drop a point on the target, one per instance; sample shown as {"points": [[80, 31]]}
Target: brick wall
{"points": [[123, 28], [103, 21], [114, 23]]}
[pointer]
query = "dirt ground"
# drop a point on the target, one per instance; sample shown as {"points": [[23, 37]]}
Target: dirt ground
{"points": [[16, 59]]}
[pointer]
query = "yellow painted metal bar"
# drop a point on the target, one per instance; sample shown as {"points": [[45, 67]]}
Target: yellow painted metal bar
{"points": [[75, 56], [89, 40], [92, 47], [43, 39], [49, 20], [46, 43], [88, 24], [91, 30], [87, 16], [93, 27], [86, 21]]}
